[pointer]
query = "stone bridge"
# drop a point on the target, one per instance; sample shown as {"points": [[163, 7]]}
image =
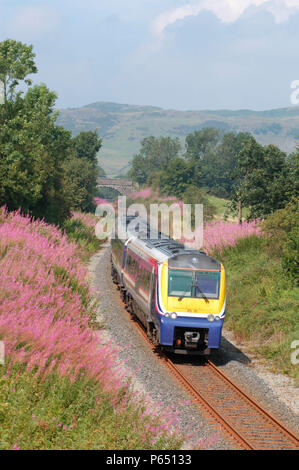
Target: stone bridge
{"points": [[124, 187]]}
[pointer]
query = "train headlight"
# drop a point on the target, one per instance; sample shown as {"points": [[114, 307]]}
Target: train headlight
{"points": [[173, 316], [217, 318], [166, 315], [210, 317]]}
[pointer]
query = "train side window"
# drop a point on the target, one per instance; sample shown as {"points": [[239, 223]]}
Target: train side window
{"points": [[132, 265], [129, 263], [153, 281], [145, 281], [148, 281]]}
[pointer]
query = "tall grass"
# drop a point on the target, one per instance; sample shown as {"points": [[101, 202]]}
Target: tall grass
{"points": [[80, 229]]}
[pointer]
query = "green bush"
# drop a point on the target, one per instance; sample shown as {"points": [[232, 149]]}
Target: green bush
{"points": [[281, 232], [277, 227], [290, 259], [194, 195], [83, 236]]}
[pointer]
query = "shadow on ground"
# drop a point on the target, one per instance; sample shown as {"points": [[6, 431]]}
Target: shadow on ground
{"points": [[228, 352]]}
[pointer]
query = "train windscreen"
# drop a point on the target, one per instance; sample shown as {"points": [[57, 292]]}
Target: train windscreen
{"points": [[193, 284]]}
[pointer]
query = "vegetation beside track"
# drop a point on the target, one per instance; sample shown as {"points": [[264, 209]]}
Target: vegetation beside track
{"points": [[57, 413], [60, 388], [263, 299]]}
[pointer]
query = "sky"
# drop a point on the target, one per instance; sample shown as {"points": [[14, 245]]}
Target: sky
{"points": [[178, 54]]}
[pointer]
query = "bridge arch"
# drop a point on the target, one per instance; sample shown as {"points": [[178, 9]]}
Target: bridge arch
{"points": [[124, 187]]}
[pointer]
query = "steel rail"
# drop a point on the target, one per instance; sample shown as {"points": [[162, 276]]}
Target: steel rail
{"points": [[256, 405]]}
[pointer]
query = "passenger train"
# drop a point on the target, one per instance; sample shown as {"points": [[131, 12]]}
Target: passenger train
{"points": [[178, 294]]}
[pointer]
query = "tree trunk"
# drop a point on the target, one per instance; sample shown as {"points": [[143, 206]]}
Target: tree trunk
{"points": [[240, 212]]}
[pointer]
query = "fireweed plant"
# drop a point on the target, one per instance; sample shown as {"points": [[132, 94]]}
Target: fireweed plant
{"points": [[220, 234], [60, 386]]}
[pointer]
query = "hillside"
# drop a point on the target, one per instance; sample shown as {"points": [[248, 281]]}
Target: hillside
{"points": [[123, 126]]}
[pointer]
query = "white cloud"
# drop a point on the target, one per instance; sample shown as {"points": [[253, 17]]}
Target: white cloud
{"points": [[227, 11]]}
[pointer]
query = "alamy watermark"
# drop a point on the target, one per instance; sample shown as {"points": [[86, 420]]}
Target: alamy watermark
{"points": [[175, 221], [295, 94], [2, 353], [295, 354]]}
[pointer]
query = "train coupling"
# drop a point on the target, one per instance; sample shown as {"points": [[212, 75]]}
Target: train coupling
{"points": [[191, 339]]}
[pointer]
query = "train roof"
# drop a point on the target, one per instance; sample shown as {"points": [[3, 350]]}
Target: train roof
{"points": [[194, 260], [162, 247]]}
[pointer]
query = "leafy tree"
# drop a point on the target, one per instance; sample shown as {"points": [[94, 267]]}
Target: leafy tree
{"points": [[80, 177], [155, 155], [200, 143], [214, 156], [139, 170], [201, 153], [176, 178], [43, 170], [16, 63], [82, 170], [227, 155], [247, 160], [292, 185], [86, 145], [263, 177], [31, 153], [32, 147]]}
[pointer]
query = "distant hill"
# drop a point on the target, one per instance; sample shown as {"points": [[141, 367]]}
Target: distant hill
{"points": [[123, 126]]}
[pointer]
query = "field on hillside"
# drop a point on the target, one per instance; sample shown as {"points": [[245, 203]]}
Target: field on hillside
{"points": [[123, 127]]}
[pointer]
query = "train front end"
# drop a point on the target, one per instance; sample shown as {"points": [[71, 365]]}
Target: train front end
{"points": [[191, 297]]}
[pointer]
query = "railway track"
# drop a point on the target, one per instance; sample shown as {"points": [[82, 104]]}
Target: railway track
{"points": [[242, 420], [246, 422]]}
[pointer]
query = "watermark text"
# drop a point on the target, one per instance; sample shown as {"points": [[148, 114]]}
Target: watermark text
{"points": [[295, 354], [2, 353], [183, 222], [295, 94]]}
